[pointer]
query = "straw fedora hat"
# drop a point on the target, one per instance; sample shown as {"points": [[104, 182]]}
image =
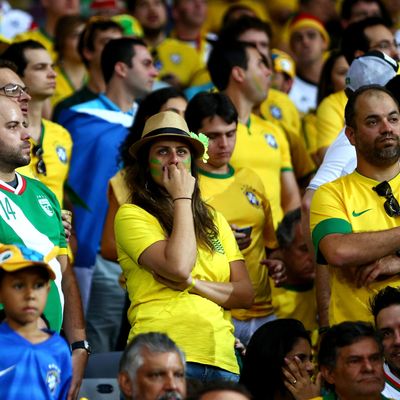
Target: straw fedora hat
{"points": [[167, 125]]}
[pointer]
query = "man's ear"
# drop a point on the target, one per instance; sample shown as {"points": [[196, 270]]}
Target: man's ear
{"points": [[125, 384], [327, 374], [238, 74], [121, 69], [349, 131]]}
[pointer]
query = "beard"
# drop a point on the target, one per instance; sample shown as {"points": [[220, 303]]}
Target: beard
{"points": [[379, 155]]}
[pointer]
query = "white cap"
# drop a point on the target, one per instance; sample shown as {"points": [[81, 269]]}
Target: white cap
{"points": [[372, 68]]}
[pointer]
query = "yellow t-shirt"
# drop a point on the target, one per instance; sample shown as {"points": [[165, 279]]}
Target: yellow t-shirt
{"points": [[64, 87], [349, 205], [296, 301], [240, 197], [177, 58], [40, 36], [200, 327], [330, 118], [57, 146], [263, 147]]}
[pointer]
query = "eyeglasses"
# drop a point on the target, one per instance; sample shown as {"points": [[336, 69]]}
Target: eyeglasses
{"points": [[391, 205], [13, 90], [40, 166]]}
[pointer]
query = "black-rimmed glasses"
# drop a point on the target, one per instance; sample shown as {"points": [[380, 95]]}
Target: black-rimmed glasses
{"points": [[40, 166], [391, 205], [13, 90]]}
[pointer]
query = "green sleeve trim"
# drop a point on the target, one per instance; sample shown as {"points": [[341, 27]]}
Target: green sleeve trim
{"points": [[286, 169], [327, 227]]}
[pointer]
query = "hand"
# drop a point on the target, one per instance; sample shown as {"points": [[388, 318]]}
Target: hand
{"points": [[66, 217], [178, 181], [242, 239], [173, 284], [298, 381], [240, 347], [276, 270], [79, 361], [384, 267]]}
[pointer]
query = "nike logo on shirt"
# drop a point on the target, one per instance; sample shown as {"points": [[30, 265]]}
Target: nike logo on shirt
{"points": [[355, 214]]}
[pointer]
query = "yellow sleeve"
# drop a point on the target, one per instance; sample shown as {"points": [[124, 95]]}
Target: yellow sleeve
{"points": [[136, 230], [330, 119], [285, 150]]}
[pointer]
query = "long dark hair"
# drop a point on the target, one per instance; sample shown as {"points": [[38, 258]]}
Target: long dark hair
{"points": [[265, 354], [153, 198]]}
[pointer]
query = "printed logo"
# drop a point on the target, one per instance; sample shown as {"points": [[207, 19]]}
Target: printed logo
{"points": [[276, 112], [252, 198], [176, 58], [62, 154], [53, 378], [3, 257], [270, 139], [46, 206], [356, 214], [218, 246], [7, 370]]}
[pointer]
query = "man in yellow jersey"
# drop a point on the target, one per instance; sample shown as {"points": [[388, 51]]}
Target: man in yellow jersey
{"points": [[276, 107], [295, 298], [241, 72], [96, 34], [240, 196], [54, 9], [52, 144], [355, 219], [177, 62]]}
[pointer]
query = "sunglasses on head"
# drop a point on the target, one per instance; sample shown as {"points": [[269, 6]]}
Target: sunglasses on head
{"points": [[392, 207], [40, 166]]}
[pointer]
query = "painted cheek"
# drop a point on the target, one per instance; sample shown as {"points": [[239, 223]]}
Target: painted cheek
{"points": [[258, 84], [155, 168], [187, 163]]}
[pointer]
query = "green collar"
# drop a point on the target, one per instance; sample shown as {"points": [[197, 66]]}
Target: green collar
{"points": [[229, 174]]}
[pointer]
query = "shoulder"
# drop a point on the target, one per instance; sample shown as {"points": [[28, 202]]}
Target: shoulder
{"points": [[55, 128]]}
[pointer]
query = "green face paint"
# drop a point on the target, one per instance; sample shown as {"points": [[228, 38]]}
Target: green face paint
{"points": [[187, 163], [155, 167]]}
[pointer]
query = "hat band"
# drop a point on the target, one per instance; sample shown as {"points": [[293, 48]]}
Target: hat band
{"points": [[161, 131]]}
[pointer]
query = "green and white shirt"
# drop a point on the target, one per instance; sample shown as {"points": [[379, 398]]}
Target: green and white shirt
{"points": [[30, 214]]}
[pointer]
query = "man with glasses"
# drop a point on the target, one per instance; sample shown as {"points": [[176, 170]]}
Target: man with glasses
{"points": [[52, 144], [355, 219]]}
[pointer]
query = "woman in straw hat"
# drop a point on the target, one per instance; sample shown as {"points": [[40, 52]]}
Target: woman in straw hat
{"points": [[180, 259]]}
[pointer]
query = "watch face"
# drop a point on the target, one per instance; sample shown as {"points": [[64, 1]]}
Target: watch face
{"points": [[83, 344]]}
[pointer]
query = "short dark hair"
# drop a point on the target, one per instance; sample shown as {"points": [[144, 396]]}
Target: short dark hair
{"points": [[350, 111], [131, 5], [219, 385], [118, 50], [88, 35], [205, 105], [354, 37], [233, 29], [265, 356], [286, 228], [386, 297], [15, 53], [223, 57], [342, 335], [347, 9], [8, 64]]}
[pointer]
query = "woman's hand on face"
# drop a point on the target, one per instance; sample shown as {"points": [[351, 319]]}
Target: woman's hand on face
{"points": [[298, 381], [173, 284], [178, 181]]}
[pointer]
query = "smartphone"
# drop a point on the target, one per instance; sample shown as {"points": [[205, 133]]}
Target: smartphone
{"points": [[246, 231]]}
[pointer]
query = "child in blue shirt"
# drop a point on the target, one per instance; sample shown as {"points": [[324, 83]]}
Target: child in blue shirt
{"points": [[34, 363]]}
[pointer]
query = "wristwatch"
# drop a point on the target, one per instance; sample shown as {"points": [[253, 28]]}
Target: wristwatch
{"points": [[82, 344]]}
